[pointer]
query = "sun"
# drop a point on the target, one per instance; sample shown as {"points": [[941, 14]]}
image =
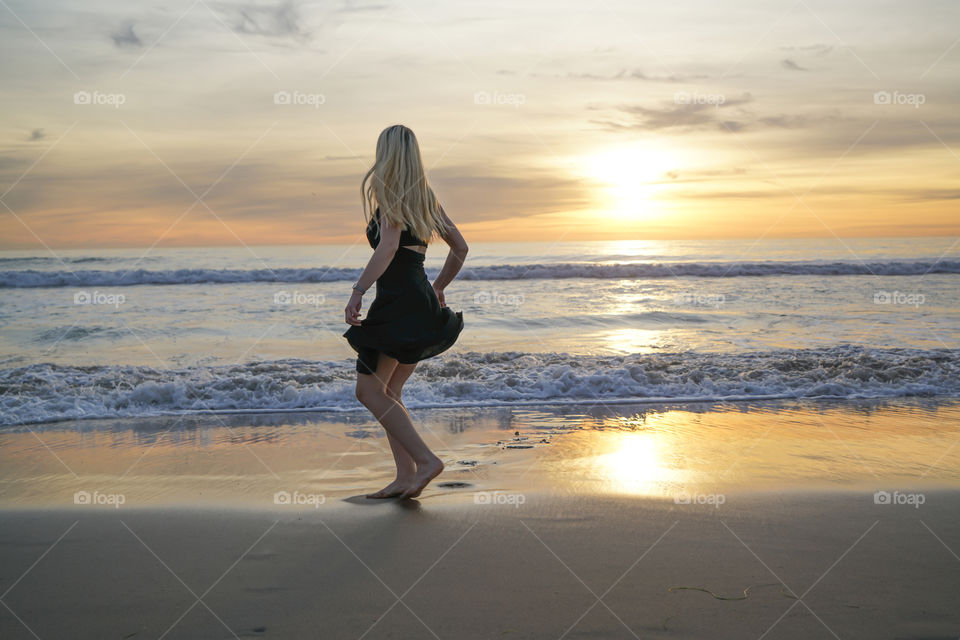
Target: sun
{"points": [[628, 179]]}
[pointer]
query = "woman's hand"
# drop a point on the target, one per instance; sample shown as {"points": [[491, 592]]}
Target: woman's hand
{"points": [[439, 293], [352, 312]]}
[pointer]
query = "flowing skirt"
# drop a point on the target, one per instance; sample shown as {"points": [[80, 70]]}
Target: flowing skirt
{"points": [[405, 320]]}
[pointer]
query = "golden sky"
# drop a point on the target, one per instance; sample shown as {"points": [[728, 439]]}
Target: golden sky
{"points": [[195, 122]]}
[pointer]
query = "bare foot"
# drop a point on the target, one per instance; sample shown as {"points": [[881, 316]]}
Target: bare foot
{"points": [[392, 490], [425, 473]]}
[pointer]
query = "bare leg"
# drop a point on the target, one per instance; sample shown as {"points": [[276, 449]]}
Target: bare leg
{"points": [[406, 467], [372, 393]]}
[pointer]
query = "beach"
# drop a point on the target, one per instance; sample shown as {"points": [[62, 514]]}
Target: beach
{"points": [[837, 520], [641, 440]]}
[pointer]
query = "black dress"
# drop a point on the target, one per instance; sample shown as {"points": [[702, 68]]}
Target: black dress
{"points": [[405, 320]]}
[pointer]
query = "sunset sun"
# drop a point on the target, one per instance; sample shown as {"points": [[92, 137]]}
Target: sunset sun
{"points": [[628, 180]]}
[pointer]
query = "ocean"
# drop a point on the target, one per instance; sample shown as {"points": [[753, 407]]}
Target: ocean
{"points": [[135, 332]]}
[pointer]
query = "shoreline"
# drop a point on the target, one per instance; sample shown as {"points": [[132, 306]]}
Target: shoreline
{"points": [[635, 451]]}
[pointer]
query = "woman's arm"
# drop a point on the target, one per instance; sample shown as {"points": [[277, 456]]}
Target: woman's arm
{"points": [[456, 256], [379, 261]]}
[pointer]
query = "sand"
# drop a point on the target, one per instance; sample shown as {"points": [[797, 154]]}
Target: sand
{"points": [[552, 567], [596, 532]]}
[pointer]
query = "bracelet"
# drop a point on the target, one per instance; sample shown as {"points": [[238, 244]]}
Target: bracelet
{"points": [[356, 287]]}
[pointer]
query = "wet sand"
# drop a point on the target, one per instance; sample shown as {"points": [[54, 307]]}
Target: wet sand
{"points": [[839, 521]]}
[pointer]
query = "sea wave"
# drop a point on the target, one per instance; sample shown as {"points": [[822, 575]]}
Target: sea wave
{"points": [[47, 392], [117, 278]]}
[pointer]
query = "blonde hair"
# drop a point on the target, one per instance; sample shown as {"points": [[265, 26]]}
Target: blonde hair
{"points": [[397, 184]]}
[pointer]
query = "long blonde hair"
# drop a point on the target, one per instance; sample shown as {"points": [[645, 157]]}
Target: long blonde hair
{"points": [[397, 184]]}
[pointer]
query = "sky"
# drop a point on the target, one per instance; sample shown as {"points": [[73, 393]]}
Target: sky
{"points": [[207, 123]]}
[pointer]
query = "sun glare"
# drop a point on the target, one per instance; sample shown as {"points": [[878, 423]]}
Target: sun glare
{"points": [[628, 179]]}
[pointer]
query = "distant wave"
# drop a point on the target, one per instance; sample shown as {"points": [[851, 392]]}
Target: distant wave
{"points": [[71, 260], [47, 392], [119, 278]]}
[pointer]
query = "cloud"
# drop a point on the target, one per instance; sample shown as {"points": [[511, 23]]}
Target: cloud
{"points": [[689, 115], [280, 21], [622, 74], [639, 75], [703, 175], [931, 194], [125, 36], [730, 116], [352, 7], [472, 194], [817, 49], [37, 134], [787, 63]]}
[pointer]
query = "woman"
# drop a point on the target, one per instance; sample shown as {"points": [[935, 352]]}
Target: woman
{"points": [[408, 320]]}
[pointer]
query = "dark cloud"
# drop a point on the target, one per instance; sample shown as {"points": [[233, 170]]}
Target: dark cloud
{"points": [[787, 63], [37, 134], [280, 21], [731, 116], [125, 36], [732, 125], [901, 194], [639, 75], [786, 121], [932, 194], [692, 114], [818, 49], [630, 74]]}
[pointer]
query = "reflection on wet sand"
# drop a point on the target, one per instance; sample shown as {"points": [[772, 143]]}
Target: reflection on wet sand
{"points": [[778, 446], [649, 451]]}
